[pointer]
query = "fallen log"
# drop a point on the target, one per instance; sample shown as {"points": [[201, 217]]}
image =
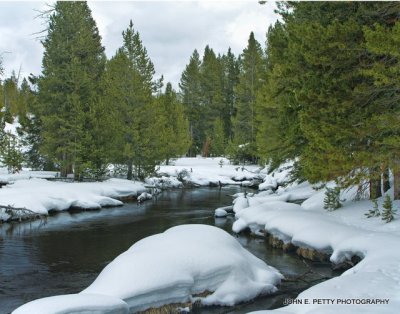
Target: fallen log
{"points": [[20, 214]]}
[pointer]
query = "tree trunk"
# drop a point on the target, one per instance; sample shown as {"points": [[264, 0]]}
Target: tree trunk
{"points": [[396, 185], [375, 188], [130, 170], [385, 179]]}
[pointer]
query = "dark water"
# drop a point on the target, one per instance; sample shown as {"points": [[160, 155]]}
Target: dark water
{"points": [[65, 253]]}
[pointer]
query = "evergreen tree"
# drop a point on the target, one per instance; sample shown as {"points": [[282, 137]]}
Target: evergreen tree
{"points": [[69, 88], [191, 96], [128, 91], [279, 137], [231, 79], [382, 41], [10, 153], [250, 81], [212, 80], [218, 140], [173, 124], [332, 199], [388, 211]]}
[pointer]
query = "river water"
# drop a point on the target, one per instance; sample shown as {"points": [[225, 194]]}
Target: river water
{"points": [[65, 253]]}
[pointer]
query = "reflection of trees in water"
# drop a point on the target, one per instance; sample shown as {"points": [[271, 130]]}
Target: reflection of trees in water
{"points": [[23, 228]]}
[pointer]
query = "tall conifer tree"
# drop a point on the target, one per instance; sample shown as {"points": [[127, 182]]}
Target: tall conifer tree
{"points": [[69, 86]]}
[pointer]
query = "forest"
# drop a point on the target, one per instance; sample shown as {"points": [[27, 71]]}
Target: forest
{"points": [[323, 93]]}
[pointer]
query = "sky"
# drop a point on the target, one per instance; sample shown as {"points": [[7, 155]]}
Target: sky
{"points": [[170, 30]]}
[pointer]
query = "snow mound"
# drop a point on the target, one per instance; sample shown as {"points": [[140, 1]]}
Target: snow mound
{"points": [[219, 212], [144, 197], [74, 304], [41, 196], [174, 266]]}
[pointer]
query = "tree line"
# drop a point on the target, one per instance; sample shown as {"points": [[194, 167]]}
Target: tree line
{"points": [[85, 112], [330, 97], [322, 93]]}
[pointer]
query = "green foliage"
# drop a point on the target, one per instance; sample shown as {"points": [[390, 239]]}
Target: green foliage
{"points": [[191, 95], [374, 212], [10, 153], [173, 124], [69, 89], [250, 81], [128, 86], [207, 90], [332, 199], [388, 211], [218, 140]]}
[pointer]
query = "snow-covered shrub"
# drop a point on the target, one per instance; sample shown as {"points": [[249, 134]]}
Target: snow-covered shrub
{"points": [[183, 174]]}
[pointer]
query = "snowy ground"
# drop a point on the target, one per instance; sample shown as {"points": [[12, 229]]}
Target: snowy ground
{"points": [[28, 189], [167, 268], [372, 286], [211, 171], [41, 196]]}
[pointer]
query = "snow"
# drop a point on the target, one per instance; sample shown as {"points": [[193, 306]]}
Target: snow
{"points": [[342, 233], [41, 196], [219, 213], [11, 128], [24, 174], [144, 197], [74, 304], [174, 266], [208, 171], [164, 182], [168, 268]]}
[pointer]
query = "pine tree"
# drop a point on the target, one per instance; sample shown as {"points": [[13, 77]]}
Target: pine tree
{"points": [[190, 91], [279, 137], [382, 41], [218, 139], [231, 79], [128, 89], [10, 153], [250, 81], [332, 199], [173, 124], [388, 211], [212, 98], [69, 88]]}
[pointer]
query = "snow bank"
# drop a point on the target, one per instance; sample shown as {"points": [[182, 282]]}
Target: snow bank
{"points": [[174, 266], [24, 174], [74, 304], [41, 196], [343, 233], [201, 171]]}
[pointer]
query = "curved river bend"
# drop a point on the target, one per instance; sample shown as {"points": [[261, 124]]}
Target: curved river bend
{"points": [[65, 253]]}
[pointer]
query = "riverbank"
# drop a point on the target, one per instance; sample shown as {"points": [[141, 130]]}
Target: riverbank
{"points": [[30, 194], [344, 236]]}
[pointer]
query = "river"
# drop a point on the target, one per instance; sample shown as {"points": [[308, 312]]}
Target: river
{"points": [[66, 252]]}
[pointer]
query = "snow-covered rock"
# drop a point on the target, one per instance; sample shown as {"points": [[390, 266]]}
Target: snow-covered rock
{"points": [[144, 197], [75, 304], [219, 212], [174, 266], [269, 183]]}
